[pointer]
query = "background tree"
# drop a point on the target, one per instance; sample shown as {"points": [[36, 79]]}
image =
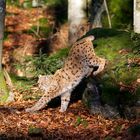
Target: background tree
{"points": [[76, 17], [2, 17], [5, 95], [96, 10], [137, 16], [84, 15]]}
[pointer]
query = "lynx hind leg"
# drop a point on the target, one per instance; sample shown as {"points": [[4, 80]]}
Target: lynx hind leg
{"points": [[51, 93], [65, 99], [101, 66], [39, 105]]}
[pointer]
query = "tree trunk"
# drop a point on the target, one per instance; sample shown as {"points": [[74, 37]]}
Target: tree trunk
{"points": [[96, 9], [4, 91], [76, 17], [137, 16], [2, 18], [81, 12]]}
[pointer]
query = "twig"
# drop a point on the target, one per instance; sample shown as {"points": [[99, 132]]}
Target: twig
{"points": [[11, 87], [8, 79], [35, 32], [108, 15]]}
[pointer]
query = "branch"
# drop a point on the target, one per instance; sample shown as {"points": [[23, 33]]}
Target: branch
{"points": [[108, 15]]}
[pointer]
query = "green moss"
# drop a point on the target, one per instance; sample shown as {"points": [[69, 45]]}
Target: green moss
{"points": [[12, 2], [138, 93], [121, 13], [43, 21], [4, 92], [24, 86], [134, 130], [108, 44], [104, 32], [43, 30], [22, 82], [44, 64], [55, 61], [34, 131], [27, 4]]}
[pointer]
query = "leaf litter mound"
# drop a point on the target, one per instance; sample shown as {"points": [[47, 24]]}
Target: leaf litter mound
{"points": [[49, 123]]}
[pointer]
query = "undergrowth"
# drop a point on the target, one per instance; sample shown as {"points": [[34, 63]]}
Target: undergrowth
{"points": [[117, 47]]}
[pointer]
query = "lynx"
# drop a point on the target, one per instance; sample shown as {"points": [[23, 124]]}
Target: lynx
{"points": [[79, 64]]}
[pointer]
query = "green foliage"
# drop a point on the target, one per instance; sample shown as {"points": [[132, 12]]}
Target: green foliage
{"points": [[118, 128], [60, 9], [27, 4], [25, 86], [6, 33], [35, 131], [43, 21], [134, 130], [121, 12], [40, 30], [100, 33], [109, 138], [4, 91], [81, 121], [43, 31], [136, 41], [12, 2], [43, 64], [54, 2], [138, 92], [110, 45], [22, 83]]}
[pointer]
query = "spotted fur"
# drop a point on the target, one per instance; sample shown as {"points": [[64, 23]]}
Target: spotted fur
{"points": [[79, 64]]}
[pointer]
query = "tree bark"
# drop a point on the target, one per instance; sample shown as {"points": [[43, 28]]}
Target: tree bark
{"points": [[81, 12], [76, 17], [2, 19], [5, 94], [137, 16]]}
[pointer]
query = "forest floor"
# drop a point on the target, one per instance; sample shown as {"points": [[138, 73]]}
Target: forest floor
{"points": [[75, 123], [49, 123]]}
